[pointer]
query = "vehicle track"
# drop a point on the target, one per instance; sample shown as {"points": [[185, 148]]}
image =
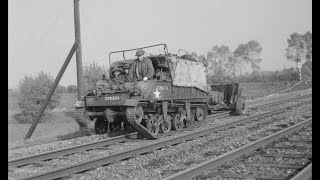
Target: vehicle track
{"points": [[60, 172], [123, 138], [243, 162]]}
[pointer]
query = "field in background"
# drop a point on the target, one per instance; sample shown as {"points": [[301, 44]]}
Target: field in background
{"points": [[256, 90], [62, 126]]}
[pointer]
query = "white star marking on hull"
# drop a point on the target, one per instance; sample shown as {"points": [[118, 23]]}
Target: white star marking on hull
{"points": [[157, 93]]}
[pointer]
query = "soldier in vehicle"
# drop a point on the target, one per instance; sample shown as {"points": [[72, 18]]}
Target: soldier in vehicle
{"points": [[116, 71], [126, 69], [118, 76], [141, 68]]}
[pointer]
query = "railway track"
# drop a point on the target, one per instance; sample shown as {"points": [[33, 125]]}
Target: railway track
{"points": [[281, 102], [245, 152], [65, 171], [123, 138]]}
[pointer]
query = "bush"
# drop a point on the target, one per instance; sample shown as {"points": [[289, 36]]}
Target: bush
{"points": [[32, 94], [61, 89], [72, 89]]}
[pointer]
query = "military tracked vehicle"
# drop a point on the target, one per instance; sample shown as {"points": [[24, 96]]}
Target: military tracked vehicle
{"points": [[176, 97]]}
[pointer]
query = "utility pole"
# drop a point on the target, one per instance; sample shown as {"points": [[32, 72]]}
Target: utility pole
{"points": [[76, 48], [79, 50]]}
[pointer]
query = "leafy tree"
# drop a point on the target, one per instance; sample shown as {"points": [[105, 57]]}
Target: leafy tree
{"points": [[239, 55], [72, 89], [308, 41], [249, 53], [297, 48], [218, 59], [232, 65], [32, 94], [61, 89], [254, 54], [221, 54]]}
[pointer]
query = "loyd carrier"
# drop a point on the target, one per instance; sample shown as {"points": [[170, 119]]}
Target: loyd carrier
{"points": [[176, 97]]}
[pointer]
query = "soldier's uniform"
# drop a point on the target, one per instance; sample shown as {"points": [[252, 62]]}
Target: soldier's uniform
{"points": [[127, 76], [120, 79]]}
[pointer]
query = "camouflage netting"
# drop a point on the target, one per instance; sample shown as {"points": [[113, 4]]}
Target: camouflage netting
{"points": [[103, 87], [189, 74]]}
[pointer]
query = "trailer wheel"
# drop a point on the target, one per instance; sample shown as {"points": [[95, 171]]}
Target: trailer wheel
{"points": [[200, 114], [241, 107]]}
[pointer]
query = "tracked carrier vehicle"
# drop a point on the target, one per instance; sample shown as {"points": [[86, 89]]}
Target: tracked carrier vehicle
{"points": [[176, 97]]}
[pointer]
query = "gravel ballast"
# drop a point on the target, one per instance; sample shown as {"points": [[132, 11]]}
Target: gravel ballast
{"points": [[162, 162]]}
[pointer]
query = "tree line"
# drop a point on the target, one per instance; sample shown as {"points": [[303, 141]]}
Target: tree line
{"points": [[223, 64], [227, 65]]}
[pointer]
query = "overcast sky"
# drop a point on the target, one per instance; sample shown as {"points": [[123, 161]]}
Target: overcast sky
{"points": [[41, 32]]}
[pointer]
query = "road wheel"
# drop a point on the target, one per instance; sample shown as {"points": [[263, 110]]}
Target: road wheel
{"points": [[190, 122], [166, 124], [153, 126], [177, 124]]}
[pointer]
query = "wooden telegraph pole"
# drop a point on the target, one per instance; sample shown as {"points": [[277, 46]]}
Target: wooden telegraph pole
{"points": [[75, 48], [79, 50]]}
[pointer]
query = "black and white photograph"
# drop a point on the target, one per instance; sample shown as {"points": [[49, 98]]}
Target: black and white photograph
{"points": [[160, 89]]}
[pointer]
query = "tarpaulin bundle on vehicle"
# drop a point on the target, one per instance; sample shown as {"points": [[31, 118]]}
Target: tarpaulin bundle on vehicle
{"points": [[184, 72], [189, 74]]}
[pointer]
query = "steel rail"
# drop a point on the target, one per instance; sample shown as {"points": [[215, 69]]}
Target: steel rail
{"points": [[70, 150], [197, 170], [85, 165], [225, 114], [83, 147], [106, 142], [283, 101], [304, 174]]}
